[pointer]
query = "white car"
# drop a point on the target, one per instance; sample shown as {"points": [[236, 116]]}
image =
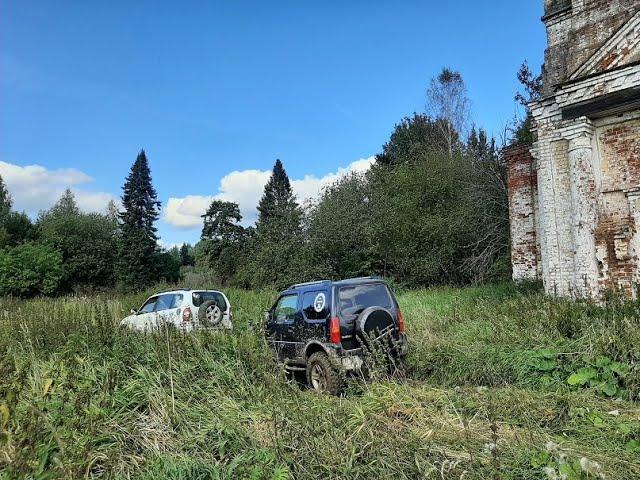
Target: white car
{"points": [[187, 310]]}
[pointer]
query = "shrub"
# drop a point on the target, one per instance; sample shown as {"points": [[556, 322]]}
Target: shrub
{"points": [[87, 244], [30, 269]]}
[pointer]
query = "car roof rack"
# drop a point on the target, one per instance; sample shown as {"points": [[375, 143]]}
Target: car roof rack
{"points": [[355, 279], [346, 280], [177, 289], [308, 284]]}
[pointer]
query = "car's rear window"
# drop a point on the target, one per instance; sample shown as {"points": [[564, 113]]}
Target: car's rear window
{"points": [[355, 298], [201, 297]]}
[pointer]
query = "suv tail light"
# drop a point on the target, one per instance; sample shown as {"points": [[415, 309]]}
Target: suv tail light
{"points": [[334, 330], [400, 322], [187, 316]]}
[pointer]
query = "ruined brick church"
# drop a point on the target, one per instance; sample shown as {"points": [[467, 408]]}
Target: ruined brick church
{"points": [[575, 194]]}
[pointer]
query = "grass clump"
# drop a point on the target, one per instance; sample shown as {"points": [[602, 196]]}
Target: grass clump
{"points": [[486, 395]]}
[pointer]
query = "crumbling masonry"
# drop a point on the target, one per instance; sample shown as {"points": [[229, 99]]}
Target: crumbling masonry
{"points": [[575, 195]]}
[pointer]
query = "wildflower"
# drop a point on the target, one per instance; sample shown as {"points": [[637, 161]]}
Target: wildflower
{"points": [[589, 467], [490, 448]]}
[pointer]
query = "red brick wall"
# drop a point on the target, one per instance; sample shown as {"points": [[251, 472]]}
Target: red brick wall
{"points": [[613, 236], [523, 192], [620, 146], [620, 159]]}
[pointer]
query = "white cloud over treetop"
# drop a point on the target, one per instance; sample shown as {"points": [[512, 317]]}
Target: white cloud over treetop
{"points": [[186, 212], [34, 188], [245, 188]]}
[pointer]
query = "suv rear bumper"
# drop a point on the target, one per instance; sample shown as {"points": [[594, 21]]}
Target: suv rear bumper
{"points": [[353, 360]]}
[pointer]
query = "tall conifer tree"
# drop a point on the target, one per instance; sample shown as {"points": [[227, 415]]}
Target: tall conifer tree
{"points": [[138, 237], [66, 205], [278, 243], [112, 211], [277, 200]]}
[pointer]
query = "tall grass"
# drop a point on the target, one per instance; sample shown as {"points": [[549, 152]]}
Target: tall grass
{"points": [[485, 395]]}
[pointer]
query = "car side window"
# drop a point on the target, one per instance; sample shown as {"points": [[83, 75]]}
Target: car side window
{"points": [[315, 305], [285, 310], [149, 305], [177, 300], [165, 302]]}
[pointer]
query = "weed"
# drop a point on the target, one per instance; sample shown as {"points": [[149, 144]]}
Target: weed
{"points": [[485, 389]]}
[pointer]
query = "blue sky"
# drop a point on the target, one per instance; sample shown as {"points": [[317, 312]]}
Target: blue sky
{"points": [[211, 88]]}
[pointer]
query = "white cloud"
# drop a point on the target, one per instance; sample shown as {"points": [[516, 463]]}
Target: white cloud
{"points": [[34, 188], [245, 188], [310, 186], [185, 212], [169, 245]]}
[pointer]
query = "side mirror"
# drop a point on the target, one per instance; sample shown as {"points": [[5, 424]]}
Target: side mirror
{"points": [[134, 311]]}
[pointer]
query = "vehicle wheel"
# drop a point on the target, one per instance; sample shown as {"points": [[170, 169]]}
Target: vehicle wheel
{"points": [[372, 322], [322, 376], [209, 314]]}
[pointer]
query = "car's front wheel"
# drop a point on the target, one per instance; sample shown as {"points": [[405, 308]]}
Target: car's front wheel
{"points": [[322, 376]]}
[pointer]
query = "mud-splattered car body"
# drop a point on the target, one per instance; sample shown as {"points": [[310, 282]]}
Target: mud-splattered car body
{"points": [[327, 317], [187, 310]]}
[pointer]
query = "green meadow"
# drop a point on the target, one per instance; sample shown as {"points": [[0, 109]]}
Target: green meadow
{"points": [[500, 382]]}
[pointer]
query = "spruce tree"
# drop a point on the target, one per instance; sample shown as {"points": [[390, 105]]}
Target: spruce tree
{"points": [[66, 205], [278, 242], [186, 257], [277, 200], [138, 237], [112, 211]]}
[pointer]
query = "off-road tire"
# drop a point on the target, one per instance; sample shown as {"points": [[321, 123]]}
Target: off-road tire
{"points": [[204, 317], [322, 376]]}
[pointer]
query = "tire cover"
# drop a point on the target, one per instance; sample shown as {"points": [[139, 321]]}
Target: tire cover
{"points": [[202, 314], [373, 320]]}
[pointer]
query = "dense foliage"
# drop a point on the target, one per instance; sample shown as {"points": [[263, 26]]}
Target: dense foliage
{"points": [[223, 241], [277, 247], [30, 269], [67, 250], [431, 210], [420, 216], [501, 382], [86, 242]]}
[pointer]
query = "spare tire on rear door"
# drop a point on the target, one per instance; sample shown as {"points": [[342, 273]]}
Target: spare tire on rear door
{"points": [[373, 323], [210, 314]]}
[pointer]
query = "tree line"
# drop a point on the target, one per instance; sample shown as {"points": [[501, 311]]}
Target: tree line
{"points": [[66, 250], [432, 210]]}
